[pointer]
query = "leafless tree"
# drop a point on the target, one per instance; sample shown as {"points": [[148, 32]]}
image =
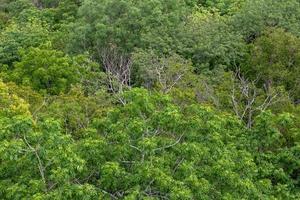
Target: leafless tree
{"points": [[170, 71], [245, 98], [168, 84], [118, 70], [38, 4]]}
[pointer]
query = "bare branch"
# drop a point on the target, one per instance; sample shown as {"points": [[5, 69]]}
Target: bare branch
{"points": [[171, 145], [118, 70], [40, 164], [246, 104]]}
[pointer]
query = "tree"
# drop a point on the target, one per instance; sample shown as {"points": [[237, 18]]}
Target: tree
{"points": [[210, 42], [224, 6], [248, 100], [156, 99], [147, 148], [128, 24], [163, 73], [45, 70], [275, 146], [16, 36], [75, 111], [256, 15], [37, 159], [275, 58]]}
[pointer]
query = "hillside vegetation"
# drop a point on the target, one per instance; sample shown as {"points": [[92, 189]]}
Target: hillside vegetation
{"points": [[153, 99]]}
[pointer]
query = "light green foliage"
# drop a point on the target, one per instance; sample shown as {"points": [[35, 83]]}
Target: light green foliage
{"points": [[190, 154], [34, 99], [224, 6], [45, 70], [35, 157], [57, 12], [149, 148], [34, 22], [74, 110], [16, 36], [11, 104]]}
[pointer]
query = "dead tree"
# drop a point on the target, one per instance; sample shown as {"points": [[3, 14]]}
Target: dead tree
{"points": [[117, 67], [38, 4], [244, 98], [170, 71]]}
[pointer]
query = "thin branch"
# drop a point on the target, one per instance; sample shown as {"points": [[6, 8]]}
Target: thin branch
{"points": [[40, 164], [171, 145]]}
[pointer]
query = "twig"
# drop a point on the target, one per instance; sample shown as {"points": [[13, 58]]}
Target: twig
{"points": [[40, 164], [169, 146]]}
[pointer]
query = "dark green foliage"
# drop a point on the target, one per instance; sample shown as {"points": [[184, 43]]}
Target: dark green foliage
{"points": [[275, 60], [256, 15], [127, 25], [210, 42]]}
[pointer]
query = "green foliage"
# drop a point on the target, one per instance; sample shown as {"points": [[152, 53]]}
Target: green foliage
{"points": [[156, 99], [35, 157], [16, 36], [128, 24], [224, 6], [277, 151], [210, 42], [256, 15], [15, 7], [148, 148], [275, 56], [11, 104], [74, 110], [3, 12], [45, 70], [155, 134], [34, 99]]}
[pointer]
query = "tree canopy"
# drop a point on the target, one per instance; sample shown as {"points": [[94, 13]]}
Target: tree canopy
{"points": [[156, 99]]}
